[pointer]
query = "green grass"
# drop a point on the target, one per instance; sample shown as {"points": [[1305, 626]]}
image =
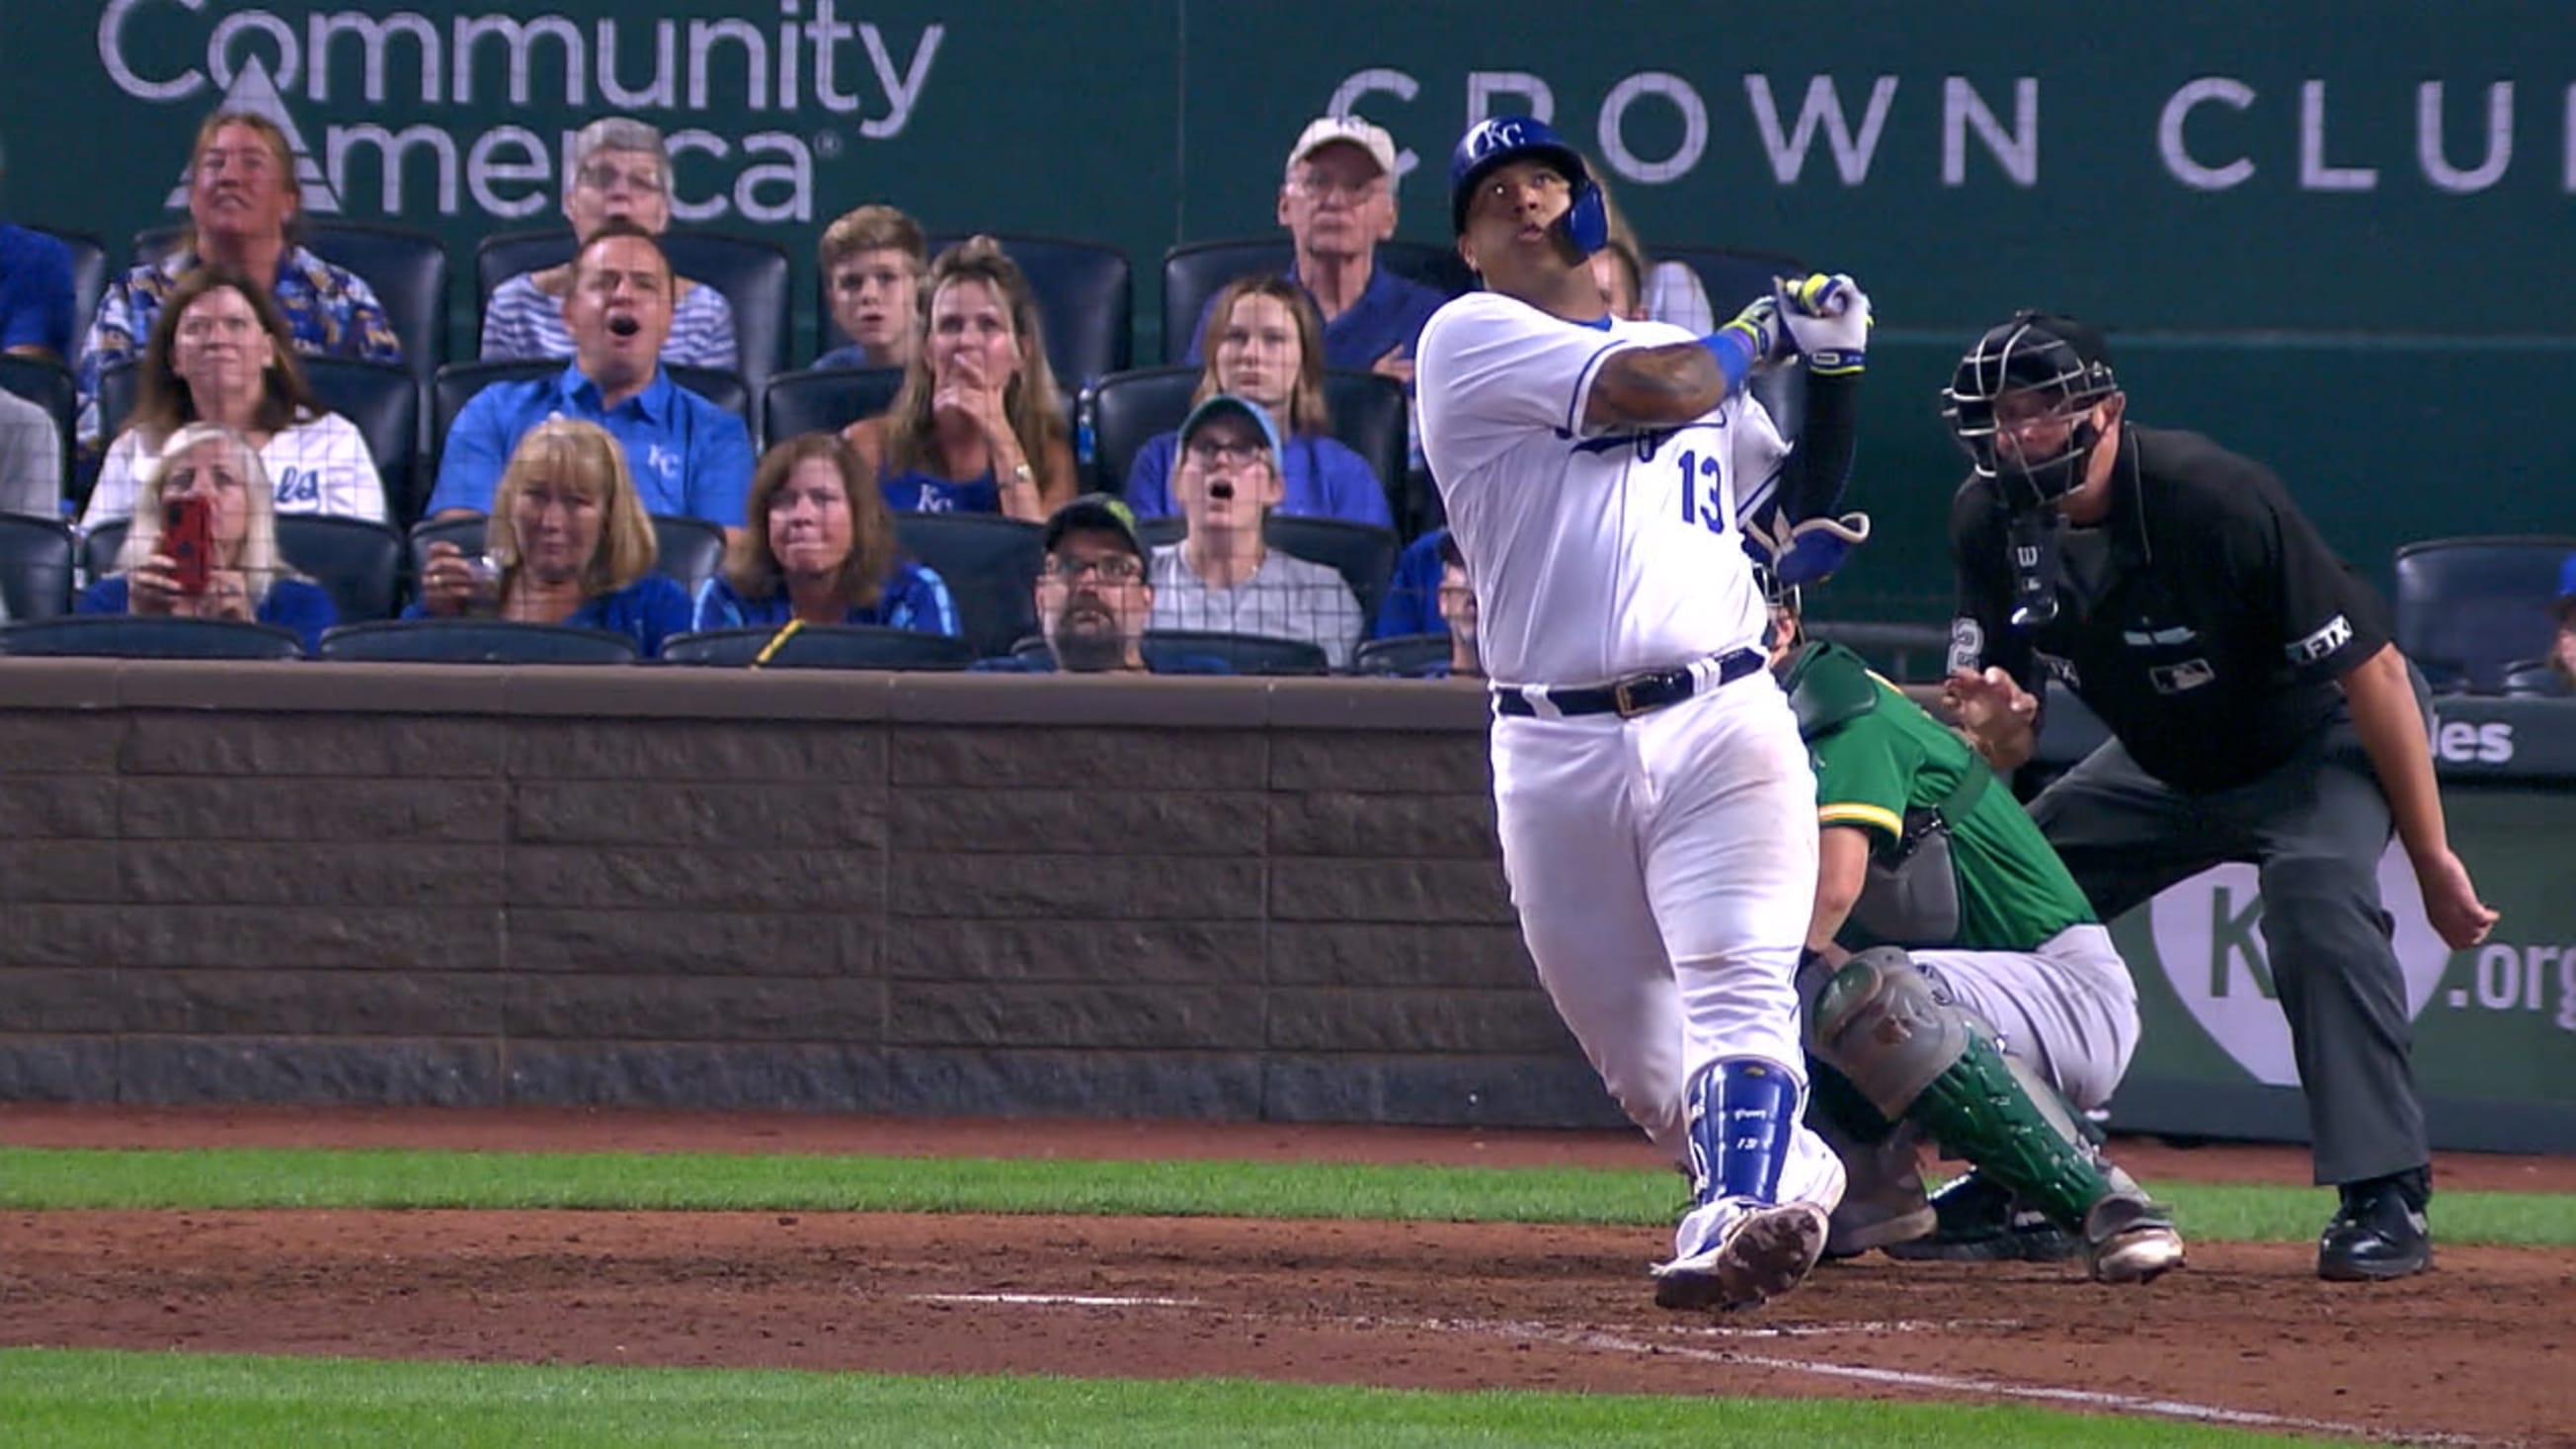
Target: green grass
{"points": [[69, 1400], [37, 1178]]}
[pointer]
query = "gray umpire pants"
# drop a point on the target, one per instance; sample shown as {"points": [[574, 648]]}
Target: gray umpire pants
{"points": [[2314, 828]]}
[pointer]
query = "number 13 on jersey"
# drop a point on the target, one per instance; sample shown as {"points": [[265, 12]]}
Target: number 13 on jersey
{"points": [[1710, 508]]}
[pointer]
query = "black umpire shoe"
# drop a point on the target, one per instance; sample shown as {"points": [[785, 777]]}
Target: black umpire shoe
{"points": [[1978, 1221], [2380, 1231]]}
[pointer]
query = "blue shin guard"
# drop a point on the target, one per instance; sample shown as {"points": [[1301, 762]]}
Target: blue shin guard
{"points": [[1743, 1113]]}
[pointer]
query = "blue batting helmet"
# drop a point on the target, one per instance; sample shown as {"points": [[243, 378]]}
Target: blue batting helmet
{"points": [[1490, 143]]}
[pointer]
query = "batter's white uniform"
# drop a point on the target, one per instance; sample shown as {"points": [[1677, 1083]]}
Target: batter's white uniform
{"points": [[1664, 866]]}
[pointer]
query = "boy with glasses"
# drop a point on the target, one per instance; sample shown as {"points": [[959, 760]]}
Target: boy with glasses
{"points": [[1223, 576]]}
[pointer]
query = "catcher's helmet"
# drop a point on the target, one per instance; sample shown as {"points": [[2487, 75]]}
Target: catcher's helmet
{"points": [[1490, 143], [2062, 361]]}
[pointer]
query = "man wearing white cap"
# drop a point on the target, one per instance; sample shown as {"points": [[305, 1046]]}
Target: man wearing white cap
{"points": [[1338, 202]]}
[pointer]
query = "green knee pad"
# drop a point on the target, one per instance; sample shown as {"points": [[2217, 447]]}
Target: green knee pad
{"points": [[1913, 1054]]}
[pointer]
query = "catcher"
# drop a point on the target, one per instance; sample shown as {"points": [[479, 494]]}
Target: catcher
{"points": [[1985, 1007]]}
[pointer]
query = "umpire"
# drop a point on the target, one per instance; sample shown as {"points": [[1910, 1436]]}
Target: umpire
{"points": [[2258, 711]]}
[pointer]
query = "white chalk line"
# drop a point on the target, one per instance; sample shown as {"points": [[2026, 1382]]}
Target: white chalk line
{"points": [[1943, 1383], [1598, 1340]]}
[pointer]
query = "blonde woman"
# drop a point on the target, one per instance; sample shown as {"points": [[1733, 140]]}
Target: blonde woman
{"points": [[979, 426], [1265, 342], [209, 467], [568, 543]]}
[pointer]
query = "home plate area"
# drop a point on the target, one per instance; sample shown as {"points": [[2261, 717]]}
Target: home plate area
{"points": [[2470, 1354]]}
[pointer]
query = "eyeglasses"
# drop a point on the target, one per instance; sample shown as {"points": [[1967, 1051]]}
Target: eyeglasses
{"points": [[1114, 569], [1315, 186], [600, 176], [1208, 452]]}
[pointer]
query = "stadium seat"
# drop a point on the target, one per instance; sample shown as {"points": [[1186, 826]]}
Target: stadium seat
{"points": [[100, 546], [690, 550], [2534, 679], [2469, 608], [405, 267], [752, 275], [990, 564], [89, 276], [1085, 293], [51, 386], [359, 562], [1363, 553], [383, 403], [120, 387], [1154, 533], [824, 400], [1401, 654], [821, 646], [147, 636], [35, 567], [1196, 271], [1244, 653], [1130, 409], [473, 641]]}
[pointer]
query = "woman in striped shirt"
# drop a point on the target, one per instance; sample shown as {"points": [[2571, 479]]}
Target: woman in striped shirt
{"points": [[620, 169]]}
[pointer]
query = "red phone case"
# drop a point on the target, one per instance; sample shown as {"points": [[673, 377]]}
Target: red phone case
{"points": [[187, 537]]}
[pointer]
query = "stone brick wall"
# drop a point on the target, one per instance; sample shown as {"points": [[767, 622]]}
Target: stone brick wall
{"points": [[1178, 898]]}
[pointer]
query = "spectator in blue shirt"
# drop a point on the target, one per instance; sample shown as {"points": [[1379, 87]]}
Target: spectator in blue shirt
{"points": [[35, 294], [688, 457], [1265, 344], [1338, 202], [1093, 598], [247, 578], [821, 548], [568, 542], [979, 426], [1457, 600], [2562, 650], [874, 259], [1411, 605]]}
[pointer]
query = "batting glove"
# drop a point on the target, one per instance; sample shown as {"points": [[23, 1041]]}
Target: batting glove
{"points": [[1805, 553], [1827, 317], [1753, 340]]}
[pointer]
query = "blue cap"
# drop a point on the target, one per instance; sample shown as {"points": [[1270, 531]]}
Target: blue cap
{"points": [[1226, 402]]}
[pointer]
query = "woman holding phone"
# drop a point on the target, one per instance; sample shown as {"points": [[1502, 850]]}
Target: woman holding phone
{"points": [[568, 543], [204, 542]]}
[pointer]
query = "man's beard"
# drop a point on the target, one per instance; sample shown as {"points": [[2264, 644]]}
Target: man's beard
{"points": [[1081, 650]]}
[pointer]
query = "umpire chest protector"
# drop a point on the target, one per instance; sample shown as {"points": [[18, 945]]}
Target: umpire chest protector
{"points": [[1911, 891]]}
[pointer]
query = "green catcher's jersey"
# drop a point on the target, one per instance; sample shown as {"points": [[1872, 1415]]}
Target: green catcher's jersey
{"points": [[2014, 893]]}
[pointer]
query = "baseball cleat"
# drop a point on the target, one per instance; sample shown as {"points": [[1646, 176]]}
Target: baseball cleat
{"points": [[1765, 1252], [2131, 1240]]}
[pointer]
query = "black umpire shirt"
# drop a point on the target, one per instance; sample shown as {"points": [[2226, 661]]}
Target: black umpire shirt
{"points": [[2204, 620]]}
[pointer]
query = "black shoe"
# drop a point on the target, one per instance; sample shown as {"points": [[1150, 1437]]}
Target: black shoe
{"points": [[2380, 1231], [1977, 1221]]}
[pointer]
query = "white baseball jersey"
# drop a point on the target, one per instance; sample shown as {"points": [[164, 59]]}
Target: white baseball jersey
{"points": [[1593, 554]]}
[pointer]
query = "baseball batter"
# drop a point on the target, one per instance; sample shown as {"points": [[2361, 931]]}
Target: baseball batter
{"points": [[1655, 806]]}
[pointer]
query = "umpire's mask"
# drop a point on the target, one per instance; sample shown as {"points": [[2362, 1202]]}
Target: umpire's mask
{"points": [[2018, 406]]}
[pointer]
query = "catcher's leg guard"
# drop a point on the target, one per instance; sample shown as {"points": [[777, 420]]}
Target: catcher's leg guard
{"points": [[1917, 1056], [1883, 1200]]}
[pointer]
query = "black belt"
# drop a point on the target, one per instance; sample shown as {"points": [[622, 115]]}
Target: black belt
{"points": [[1630, 697]]}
